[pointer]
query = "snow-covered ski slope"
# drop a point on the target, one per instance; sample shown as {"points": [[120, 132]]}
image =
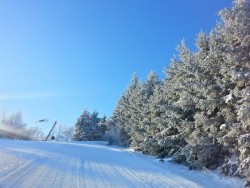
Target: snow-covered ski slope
{"points": [[29, 164]]}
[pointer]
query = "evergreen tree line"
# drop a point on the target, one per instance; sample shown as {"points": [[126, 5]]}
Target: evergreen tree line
{"points": [[199, 114]]}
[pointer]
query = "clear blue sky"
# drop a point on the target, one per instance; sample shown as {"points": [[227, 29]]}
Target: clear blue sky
{"points": [[58, 57]]}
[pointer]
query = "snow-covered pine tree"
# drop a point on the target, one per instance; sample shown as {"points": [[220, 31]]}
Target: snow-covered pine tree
{"points": [[180, 87], [103, 125], [203, 93], [158, 122], [82, 121], [93, 131], [87, 126], [134, 112], [123, 112], [220, 132], [143, 114], [233, 36]]}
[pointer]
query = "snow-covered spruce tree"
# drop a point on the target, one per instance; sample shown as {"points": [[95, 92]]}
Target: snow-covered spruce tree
{"points": [[93, 131], [181, 97], [164, 138], [141, 121], [87, 127], [120, 124], [82, 121], [218, 124], [134, 114], [220, 132], [158, 123], [233, 36], [103, 125], [200, 99], [123, 112]]}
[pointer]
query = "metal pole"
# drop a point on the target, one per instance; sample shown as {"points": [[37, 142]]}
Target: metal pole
{"points": [[50, 131]]}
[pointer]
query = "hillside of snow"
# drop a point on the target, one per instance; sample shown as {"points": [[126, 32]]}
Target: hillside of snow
{"points": [[26, 164]]}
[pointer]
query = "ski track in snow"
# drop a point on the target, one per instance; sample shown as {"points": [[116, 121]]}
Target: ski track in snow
{"points": [[28, 164]]}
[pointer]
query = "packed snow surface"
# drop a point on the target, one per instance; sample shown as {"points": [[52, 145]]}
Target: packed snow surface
{"points": [[94, 164]]}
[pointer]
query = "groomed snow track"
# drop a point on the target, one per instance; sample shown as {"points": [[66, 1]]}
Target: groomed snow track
{"points": [[28, 164]]}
